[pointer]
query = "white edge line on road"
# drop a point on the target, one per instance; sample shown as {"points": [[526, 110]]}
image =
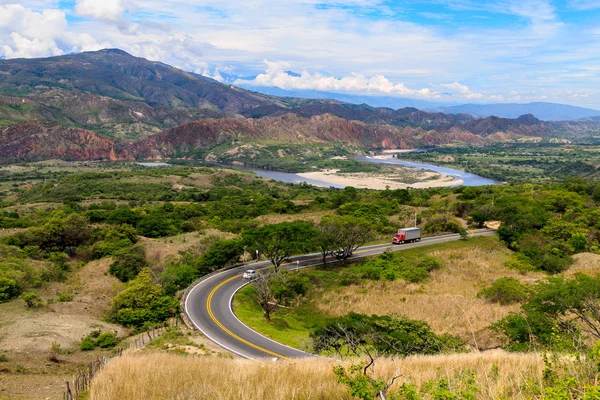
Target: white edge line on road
{"points": [[203, 332], [259, 334]]}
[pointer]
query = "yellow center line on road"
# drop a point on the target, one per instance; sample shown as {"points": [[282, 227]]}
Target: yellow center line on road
{"points": [[212, 316]]}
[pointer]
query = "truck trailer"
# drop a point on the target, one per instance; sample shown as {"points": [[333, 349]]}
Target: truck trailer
{"points": [[407, 235]]}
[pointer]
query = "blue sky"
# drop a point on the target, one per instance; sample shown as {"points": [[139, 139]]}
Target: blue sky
{"points": [[437, 50]]}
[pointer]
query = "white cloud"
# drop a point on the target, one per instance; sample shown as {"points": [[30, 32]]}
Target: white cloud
{"points": [[276, 75], [584, 4], [462, 91], [23, 47], [107, 10], [25, 33]]}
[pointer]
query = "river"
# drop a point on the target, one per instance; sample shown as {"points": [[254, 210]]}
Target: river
{"points": [[288, 177], [468, 178]]}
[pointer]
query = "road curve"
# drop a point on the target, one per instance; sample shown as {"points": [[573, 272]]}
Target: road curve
{"points": [[208, 302]]}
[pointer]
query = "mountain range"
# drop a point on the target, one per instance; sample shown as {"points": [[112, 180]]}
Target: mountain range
{"points": [[542, 110], [113, 106]]}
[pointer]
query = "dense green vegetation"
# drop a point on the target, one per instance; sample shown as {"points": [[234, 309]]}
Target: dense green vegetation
{"points": [[358, 333], [519, 162], [103, 213]]}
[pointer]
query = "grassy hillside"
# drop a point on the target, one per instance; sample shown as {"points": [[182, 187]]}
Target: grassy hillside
{"points": [[497, 375]]}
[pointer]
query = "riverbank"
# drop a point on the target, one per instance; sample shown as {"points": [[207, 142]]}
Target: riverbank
{"points": [[395, 178]]}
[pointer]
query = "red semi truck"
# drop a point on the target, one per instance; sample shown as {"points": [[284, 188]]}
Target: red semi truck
{"points": [[407, 235]]}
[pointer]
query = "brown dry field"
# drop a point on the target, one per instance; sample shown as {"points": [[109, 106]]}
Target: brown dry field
{"points": [[26, 335], [138, 376], [448, 301]]}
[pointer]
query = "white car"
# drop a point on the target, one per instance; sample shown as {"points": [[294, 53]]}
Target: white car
{"points": [[249, 274]]}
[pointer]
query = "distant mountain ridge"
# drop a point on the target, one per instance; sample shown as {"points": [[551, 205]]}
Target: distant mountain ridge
{"points": [[541, 110]]}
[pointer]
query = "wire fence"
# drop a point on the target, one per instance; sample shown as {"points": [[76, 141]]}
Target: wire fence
{"points": [[81, 381]]}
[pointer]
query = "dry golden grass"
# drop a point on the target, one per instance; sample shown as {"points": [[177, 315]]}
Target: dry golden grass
{"points": [[165, 376], [447, 302], [313, 216], [587, 263]]}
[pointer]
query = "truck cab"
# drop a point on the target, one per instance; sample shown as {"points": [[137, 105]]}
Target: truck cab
{"points": [[398, 238]]}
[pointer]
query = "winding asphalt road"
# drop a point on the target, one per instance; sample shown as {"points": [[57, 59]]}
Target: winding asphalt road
{"points": [[208, 302]]}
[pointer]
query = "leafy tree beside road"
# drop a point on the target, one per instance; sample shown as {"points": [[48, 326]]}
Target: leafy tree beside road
{"points": [[278, 242], [274, 289], [343, 235]]}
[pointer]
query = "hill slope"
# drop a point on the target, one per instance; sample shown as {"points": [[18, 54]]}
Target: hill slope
{"points": [[111, 105], [41, 141]]}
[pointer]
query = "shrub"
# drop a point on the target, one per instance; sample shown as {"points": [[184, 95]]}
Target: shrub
{"points": [[505, 291], [32, 299], [414, 274], [579, 242], [66, 297], [349, 277], [108, 248], [106, 340], [87, 344], [429, 263], [98, 339], [519, 262], [9, 288]]}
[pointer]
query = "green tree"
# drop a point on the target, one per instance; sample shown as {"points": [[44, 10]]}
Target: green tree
{"points": [[156, 224], [178, 275], [555, 313], [220, 254], [278, 242], [124, 215], [128, 263], [359, 334], [121, 232], [274, 289], [142, 302]]}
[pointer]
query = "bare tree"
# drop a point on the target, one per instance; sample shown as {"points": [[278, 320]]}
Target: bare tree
{"points": [[350, 233], [278, 288], [264, 291]]}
